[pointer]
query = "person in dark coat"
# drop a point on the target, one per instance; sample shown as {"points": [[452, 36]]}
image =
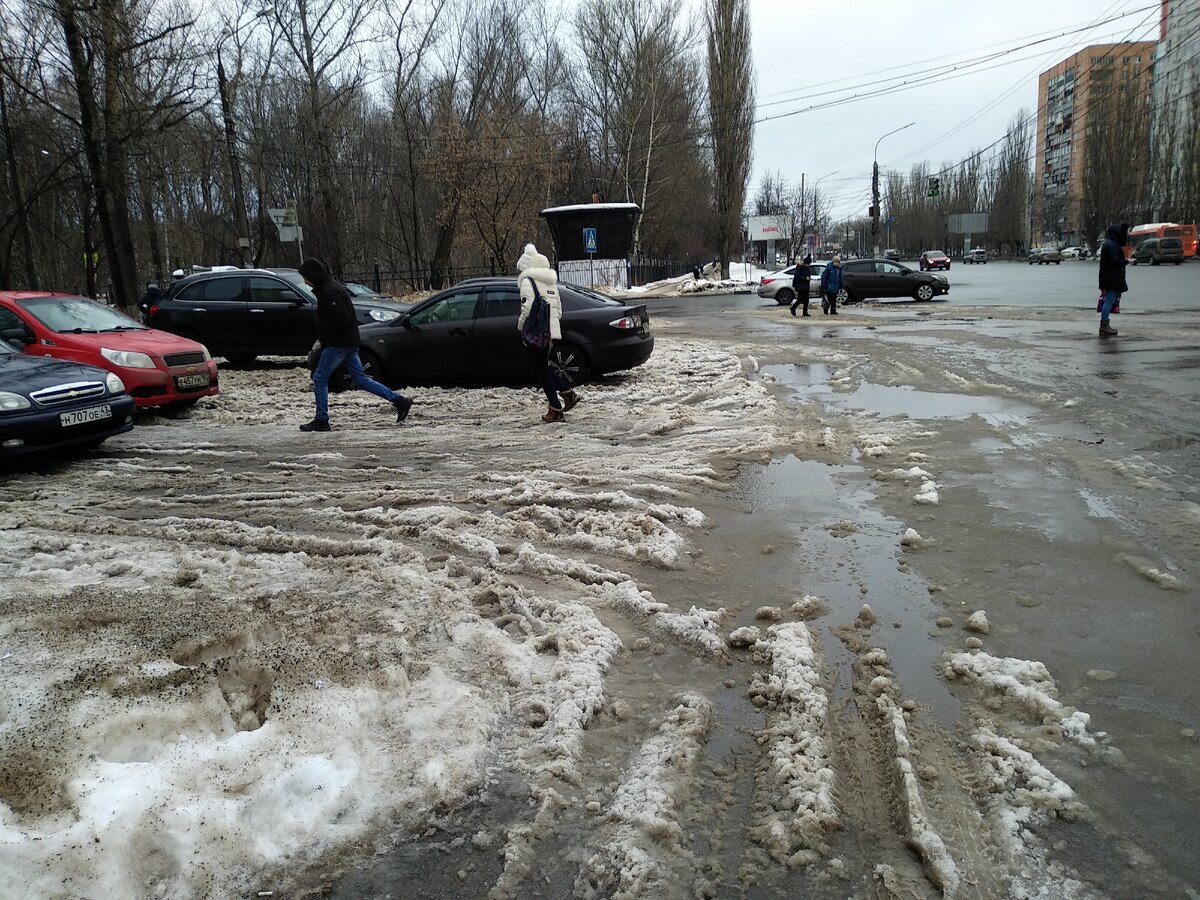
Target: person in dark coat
{"points": [[831, 283], [800, 280], [337, 330], [152, 296], [1112, 274]]}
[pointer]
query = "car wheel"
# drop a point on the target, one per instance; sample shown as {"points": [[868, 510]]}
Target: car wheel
{"points": [[1179, 262], [924, 292], [1153, 261], [373, 366], [571, 365], [1058, 262], [784, 297], [844, 297], [241, 359]]}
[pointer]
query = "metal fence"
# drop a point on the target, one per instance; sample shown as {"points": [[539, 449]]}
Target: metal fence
{"points": [[648, 269], [399, 282]]}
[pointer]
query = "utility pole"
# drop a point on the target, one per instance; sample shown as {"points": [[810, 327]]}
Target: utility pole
{"points": [[875, 189], [803, 230], [875, 204], [239, 204]]}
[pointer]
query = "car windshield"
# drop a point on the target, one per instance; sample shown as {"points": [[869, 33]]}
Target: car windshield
{"points": [[78, 315], [357, 289], [935, 254]]}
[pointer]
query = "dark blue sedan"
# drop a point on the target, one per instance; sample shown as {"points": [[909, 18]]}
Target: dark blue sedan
{"points": [[52, 404]]}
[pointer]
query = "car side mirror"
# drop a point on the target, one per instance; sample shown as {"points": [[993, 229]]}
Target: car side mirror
{"points": [[293, 298], [20, 338], [406, 322]]}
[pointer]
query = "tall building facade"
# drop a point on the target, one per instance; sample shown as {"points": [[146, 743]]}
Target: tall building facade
{"points": [[1176, 106], [1071, 96]]}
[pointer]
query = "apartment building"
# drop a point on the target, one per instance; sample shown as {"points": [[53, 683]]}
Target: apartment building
{"points": [[1070, 96], [1175, 102]]}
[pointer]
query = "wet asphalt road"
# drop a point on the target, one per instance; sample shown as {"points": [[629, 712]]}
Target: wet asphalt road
{"points": [[1072, 284]]}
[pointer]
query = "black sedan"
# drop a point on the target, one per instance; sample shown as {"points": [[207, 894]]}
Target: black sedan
{"points": [[884, 278], [246, 313], [467, 335], [53, 404]]}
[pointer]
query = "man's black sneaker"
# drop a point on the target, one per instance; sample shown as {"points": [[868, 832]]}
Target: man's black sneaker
{"points": [[316, 425], [403, 405]]}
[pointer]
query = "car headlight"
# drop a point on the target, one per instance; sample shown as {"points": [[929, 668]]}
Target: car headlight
{"points": [[114, 384], [130, 359], [384, 315], [10, 402]]}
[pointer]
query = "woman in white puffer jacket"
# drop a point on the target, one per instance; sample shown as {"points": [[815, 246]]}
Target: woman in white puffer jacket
{"points": [[533, 268]]}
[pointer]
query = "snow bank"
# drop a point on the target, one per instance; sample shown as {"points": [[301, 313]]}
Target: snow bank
{"points": [[1020, 685], [230, 651], [642, 837], [794, 799]]}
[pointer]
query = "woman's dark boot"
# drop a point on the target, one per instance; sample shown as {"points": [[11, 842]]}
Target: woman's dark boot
{"points": [[570, 398], [554, 415]]}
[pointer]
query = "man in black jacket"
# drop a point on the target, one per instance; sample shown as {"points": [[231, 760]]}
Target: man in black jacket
{"points": [[1112, 274], [337, 330]]}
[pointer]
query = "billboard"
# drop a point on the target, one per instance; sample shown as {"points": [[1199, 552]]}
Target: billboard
{"points": [[769, 228], [967, 223]]}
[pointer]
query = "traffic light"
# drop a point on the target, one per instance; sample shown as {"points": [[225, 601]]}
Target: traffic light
{"points": [[935, 186]]}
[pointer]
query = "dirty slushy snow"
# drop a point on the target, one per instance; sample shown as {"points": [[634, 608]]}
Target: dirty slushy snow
{"points": [[234, 656]]}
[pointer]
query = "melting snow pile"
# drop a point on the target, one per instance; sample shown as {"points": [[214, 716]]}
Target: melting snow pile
{"points": [[794, 803], [229, 656]]}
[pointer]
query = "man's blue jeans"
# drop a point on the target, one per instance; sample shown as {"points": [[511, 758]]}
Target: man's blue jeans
{"points": [[331, 358]]}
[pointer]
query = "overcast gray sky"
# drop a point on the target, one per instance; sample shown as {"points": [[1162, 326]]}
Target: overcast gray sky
{"points": [[804, 50]]}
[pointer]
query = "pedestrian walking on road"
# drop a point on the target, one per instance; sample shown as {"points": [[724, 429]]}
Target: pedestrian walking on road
{"points": [[800, 280], [540, 327], [831, 283], [1112, 275], [337, 330]]}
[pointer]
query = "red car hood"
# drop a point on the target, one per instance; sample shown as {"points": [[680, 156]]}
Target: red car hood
{"points": [[150, 341]]}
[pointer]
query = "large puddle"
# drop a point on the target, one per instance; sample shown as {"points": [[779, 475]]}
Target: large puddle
{"points": [[810, 381], [848, 553]]}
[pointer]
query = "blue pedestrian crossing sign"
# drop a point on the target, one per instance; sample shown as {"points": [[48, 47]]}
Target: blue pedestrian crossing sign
{"points": [[589, 240]]}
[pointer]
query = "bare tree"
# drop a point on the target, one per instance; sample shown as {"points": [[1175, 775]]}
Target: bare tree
{"points": [[731, 116]]}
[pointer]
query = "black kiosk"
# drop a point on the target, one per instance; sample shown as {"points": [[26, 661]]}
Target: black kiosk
{"points": [[593, 241]]}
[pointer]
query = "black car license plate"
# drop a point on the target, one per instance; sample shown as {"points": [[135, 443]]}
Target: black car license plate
{"points": [[192, 382], [83, 416]]}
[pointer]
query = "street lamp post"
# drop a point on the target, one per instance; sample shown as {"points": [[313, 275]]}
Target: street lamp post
{"points": [[239, 202], [816, 209], [875, 189]]}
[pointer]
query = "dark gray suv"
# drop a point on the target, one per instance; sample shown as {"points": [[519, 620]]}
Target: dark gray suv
{"points": [[246, 313], [1159, 250]]}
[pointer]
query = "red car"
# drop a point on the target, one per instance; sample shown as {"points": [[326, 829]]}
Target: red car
{"points": [[933, 259], [158, 368]]}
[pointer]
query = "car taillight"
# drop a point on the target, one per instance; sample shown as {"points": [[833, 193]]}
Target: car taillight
{"points": [[767, 280], [154, 310], [627, 323]]}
